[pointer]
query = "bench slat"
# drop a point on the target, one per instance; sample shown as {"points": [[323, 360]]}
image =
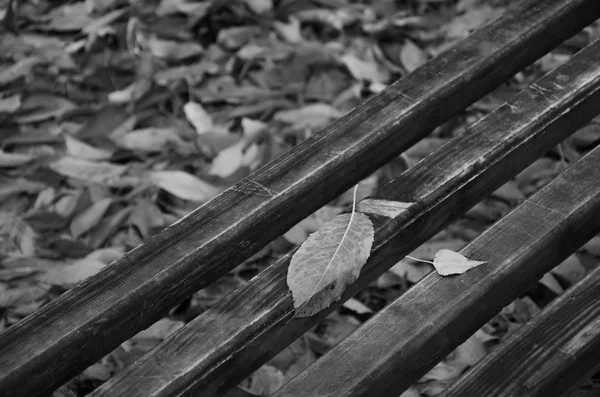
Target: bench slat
{"points": [[241, 332], [548, 356], [406, 339], [49, 347]]}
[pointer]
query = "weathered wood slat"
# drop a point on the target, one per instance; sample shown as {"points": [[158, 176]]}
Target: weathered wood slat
{"points": [[548, 356], [406, 339], [241, 332], [55, 343]]}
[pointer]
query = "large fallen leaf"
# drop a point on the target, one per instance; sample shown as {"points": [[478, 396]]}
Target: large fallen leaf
{"points": [[89, 218], [328, 261], [198, 117], [160, 330], [448, 262], [82, 150], [18, 70], [10, 104], [184, 185], [412, 56], [357, 306], [228, 161], [92, 171], [13, 159], [173, 50], [69, 275], [363, 70], [40, 107], [152, 140], [312, 116]]}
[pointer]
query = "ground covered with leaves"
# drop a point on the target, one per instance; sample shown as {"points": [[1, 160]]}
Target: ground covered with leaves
{"points": [[119, 117]]}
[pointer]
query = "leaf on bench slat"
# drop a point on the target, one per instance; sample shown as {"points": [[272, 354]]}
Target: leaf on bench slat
{"points": [[328, 261], [448, 262]]}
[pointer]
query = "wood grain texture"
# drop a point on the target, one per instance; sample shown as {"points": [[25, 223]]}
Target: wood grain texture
{"points": [[548, 356], [70, 333], [241, 332], [405, 340]]}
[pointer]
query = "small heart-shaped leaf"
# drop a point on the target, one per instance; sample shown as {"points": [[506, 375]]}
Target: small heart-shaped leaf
{"points": [[448, 262]]}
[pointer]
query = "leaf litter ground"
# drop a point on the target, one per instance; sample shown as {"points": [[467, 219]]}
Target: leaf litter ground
{"points": [[118, 118]]}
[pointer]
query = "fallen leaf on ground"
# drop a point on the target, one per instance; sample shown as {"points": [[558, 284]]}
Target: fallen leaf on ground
{"points": [[82, 150], [184, 185], [69, 275], [314, 116], [357, 306], [198, 117], [13, 159], [160, 329], [92, 171], [89, 218]]}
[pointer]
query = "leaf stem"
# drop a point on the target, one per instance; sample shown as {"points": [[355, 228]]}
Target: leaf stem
{"points": [[418, 260]]}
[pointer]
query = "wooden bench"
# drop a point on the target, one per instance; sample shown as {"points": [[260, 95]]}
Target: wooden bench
{"points": [[218, 349]]}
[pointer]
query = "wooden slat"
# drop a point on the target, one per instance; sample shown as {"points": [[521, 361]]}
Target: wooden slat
{"points": [[52, 345], [549, 356], [55, 343], [241, 332], [402, 342]]}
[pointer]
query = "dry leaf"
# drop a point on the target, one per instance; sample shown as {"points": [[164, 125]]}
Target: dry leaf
{"points": [[173, 50], [69, 275], [365, 70], [13, 159], [313, 116], [101, 371], [187, 7], [412, 56], [328, 261], [252, 127], [264, 381], [448, 262], [18, 70], [290, 31], [228, 161], [260, 6], [550, 282], [10, 104], [160, 330], [198, 117], [510, 192], [357, 306], [89, 218], [91, 171], [40, 107], [184, 185], [82, 150], [571, 269], [151, 140]]}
